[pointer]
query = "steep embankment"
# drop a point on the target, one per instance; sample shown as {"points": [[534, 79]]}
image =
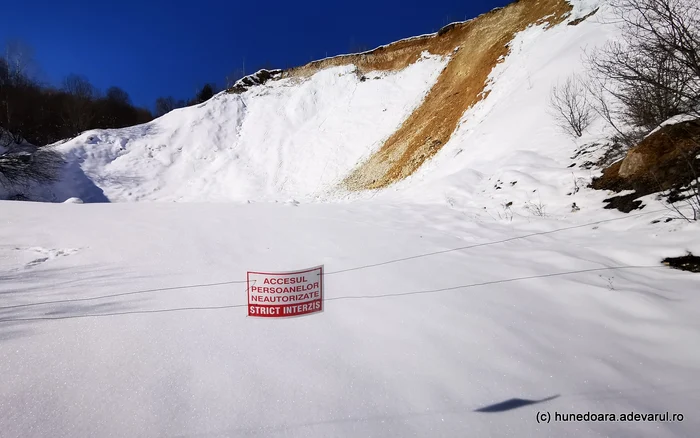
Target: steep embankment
{"points": [[338, 125], [476, 47], [292, 137], [508, 158]]}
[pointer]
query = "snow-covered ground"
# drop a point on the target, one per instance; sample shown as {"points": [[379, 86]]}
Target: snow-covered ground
{"points": [[129, 320]]}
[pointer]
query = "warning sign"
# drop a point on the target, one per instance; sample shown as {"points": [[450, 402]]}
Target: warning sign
{"points": [[282, 294]]}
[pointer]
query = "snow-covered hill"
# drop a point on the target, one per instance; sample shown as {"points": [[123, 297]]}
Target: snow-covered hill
{"points": [[465, 295], [288, 138], [301, 136]]}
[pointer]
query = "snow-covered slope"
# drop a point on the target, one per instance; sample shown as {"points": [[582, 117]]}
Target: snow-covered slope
{"points": [[287, 138], [507, 148], [300, 136]]}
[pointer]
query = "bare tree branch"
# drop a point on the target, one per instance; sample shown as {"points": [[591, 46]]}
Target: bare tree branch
{"points": [[571, 105], [653, 71], [19, 169]]}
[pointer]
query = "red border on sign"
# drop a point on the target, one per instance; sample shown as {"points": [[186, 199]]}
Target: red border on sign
{"points": [[280, 307]]}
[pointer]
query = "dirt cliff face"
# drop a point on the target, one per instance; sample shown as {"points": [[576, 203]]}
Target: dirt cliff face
{"points": [[665, 161], [475, 48]]}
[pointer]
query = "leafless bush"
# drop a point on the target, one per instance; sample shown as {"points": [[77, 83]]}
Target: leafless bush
{"points": [[688, 197], [578, 182], [507, 212], [692, 204], [609, 109], [536, 208], [571, 106], [19, 169], [78, 112], [684, 205], [8, 139]]}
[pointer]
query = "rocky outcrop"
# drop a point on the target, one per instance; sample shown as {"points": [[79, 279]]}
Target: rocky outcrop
{"points": [[257, 78], [632, 164], [665, 161]]}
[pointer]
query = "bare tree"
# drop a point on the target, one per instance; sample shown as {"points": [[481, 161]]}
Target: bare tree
{"points": [[78, 112], [651, 74], [6, 139], [609, 109], [21, 165], [13, 104], [164, 105], [653, 71], [117, 95], [20, 59], [205, 93], [571, 105], [79, 86], [5, 83]]}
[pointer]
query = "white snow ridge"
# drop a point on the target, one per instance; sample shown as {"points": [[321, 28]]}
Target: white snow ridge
{"points": [[290, 137], [469, 299]]}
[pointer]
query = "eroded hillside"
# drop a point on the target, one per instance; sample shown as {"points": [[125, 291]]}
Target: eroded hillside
{"points": [[475, 47], [347, 123]]}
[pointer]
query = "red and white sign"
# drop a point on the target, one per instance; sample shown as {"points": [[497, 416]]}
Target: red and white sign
{"points": [[283, 294]]}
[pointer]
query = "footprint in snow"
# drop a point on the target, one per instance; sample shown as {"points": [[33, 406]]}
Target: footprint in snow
{"points": [[41, 255], [36, 262]]}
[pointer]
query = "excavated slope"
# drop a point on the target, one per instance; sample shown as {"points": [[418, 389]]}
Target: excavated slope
{"points": [[475, 47]]}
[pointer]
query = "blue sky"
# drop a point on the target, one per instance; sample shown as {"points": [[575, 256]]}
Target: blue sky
{"points": [[155, 48]]}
